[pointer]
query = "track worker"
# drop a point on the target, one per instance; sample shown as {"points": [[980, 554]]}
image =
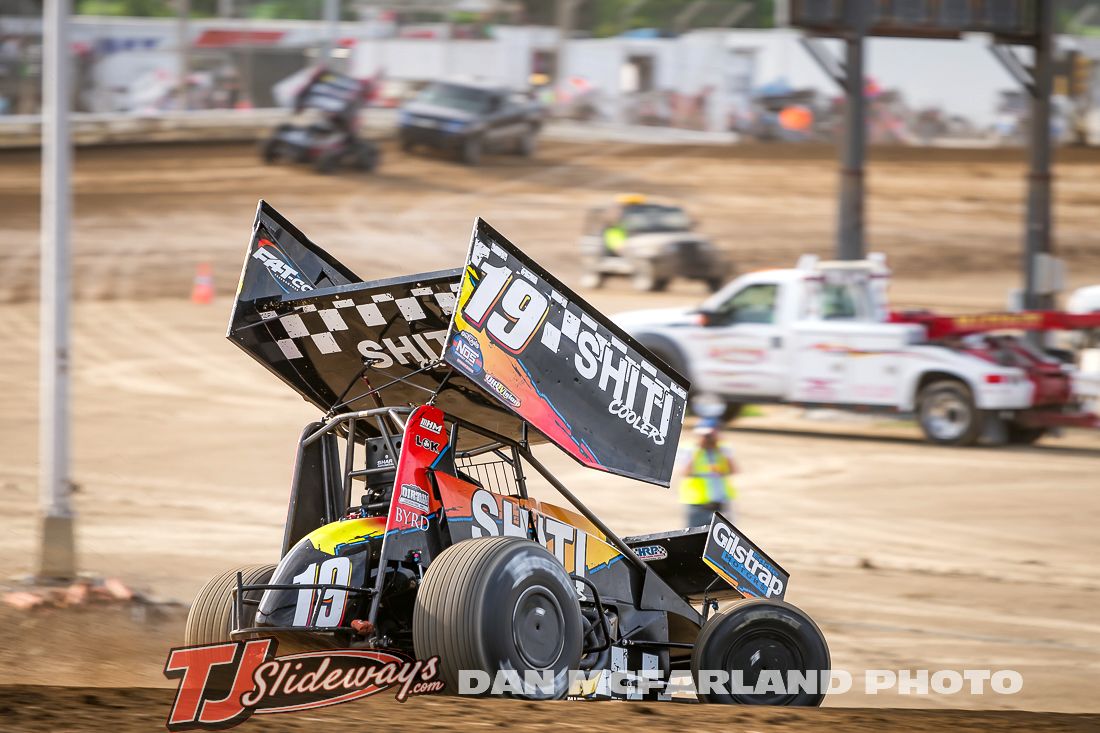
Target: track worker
{"points": [[615, 229], [705, 474], [614, 234]]}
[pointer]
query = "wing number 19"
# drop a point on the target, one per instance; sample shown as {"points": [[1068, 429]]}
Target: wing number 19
{"points": [[515, 309]]}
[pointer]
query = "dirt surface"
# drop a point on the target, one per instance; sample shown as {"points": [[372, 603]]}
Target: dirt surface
{"points": [[145, 216], [908, 556], [47, 709]]}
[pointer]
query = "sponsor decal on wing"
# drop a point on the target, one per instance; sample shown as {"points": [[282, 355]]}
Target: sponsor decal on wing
{"points": [[741, 563]]}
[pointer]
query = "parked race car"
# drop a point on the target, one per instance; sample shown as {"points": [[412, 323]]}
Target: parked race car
{"points": [[470, 119], [413, 523], [649, 242], [326, 133]]}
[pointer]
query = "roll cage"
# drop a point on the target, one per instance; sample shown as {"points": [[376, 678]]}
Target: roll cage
{"points": [[353, 449]]}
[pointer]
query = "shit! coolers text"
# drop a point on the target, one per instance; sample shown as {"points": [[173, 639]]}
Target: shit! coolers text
{"points": [[494, 517]]}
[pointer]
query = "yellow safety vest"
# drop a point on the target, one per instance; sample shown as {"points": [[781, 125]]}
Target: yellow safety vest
{"points": [[614, 237], [693, 489]]}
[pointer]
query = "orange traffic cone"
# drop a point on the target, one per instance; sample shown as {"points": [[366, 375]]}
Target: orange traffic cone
{"points": [[202, 291]]}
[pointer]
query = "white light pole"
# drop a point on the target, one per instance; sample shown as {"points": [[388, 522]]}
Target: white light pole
{"points": [[57, 557], [331, 13], [183, 41]]}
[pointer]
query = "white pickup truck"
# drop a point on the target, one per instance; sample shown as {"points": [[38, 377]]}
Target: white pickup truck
{"points": [[822, 334]]}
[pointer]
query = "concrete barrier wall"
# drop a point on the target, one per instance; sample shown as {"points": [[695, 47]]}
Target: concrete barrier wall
{"points": [[23, 131], [250, 125]]}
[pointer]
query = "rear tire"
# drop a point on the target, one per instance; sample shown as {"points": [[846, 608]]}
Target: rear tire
{"points": [[499, 603], [758, 634], [1022, 434], [271, 151], [366, 158], [326, 162], [208, 621], [947, 413], [527, 144]]}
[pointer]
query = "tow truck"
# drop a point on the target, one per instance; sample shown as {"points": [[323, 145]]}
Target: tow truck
{"points": [[822, 334]]}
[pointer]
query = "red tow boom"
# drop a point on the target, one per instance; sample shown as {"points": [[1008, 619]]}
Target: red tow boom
{"points": [[940, 327], [1054, 404]]}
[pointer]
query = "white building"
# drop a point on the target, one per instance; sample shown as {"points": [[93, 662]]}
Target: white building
{"points": [[960, 76]]}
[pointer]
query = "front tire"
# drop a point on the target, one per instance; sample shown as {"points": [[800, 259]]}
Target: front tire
{"points": [[645, 278], [499, 603], [755, 635], [591, 274], [211, 616], [471, 151], [527, 144], [732, 411], [947, 413]]}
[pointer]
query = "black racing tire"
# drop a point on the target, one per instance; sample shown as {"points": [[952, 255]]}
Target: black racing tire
{"points": [[1018, 434], [527, 144], [327, 163], [670, 354], [732, 411], [947, 413], [211, 614], [758, 634], [471, 150], [499, 603], [366, 157], [593, 280], [271, 151], [645, 278], [713, 407]]}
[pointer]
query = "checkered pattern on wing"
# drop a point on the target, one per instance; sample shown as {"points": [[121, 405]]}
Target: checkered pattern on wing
{"points": [[322, 322]]}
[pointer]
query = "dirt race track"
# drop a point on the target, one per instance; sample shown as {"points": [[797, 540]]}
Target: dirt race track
{"points": [[907, 555], [146, 215], [48, 709]]}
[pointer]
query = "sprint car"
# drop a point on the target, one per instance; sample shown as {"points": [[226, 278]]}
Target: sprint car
{"points": [[325, 131], [416, 520]]}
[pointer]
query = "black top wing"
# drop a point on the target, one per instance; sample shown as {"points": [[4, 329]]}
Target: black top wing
{"points": [[342, 343]]}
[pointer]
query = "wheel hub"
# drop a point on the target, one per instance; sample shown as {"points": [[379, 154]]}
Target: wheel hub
{"points": [[947, 416], [758, 653], [538, 627]]}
